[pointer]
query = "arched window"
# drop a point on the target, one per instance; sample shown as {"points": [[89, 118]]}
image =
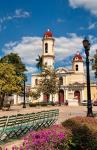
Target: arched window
{"points": [[36, 81], [61, 80], [76, 67], [46, 47]]}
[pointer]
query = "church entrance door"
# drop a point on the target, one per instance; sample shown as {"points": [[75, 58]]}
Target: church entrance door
{"points": [[77, 95], [61, 96]]}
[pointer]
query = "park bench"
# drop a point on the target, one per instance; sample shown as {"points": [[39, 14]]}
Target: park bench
{"points": [[18, 125]]}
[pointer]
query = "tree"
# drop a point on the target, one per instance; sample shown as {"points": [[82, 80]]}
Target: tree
{"points": [[35, 94], [39, 62], [15, 59], [94, 66], [49, 83], [9, 81]]}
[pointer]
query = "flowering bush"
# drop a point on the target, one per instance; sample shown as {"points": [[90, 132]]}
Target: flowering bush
{"points": [[55, 138]]}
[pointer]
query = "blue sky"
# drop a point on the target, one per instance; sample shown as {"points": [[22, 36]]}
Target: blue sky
{"points": [[23, 23]]}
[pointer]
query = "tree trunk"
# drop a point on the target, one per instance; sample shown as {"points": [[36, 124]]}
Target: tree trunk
{"points": [[2, 100]]}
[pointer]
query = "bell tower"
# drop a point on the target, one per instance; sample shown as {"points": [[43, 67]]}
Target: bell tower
{"points": [[77, 64], [48, 49]]}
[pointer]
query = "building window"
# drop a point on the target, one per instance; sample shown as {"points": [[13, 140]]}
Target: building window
{"points": [[61, 80], [76, 67], [46, 47], [36, 81]]}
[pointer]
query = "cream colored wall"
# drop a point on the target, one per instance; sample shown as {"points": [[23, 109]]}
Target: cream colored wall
{"points": [[93, 92], [80, 67], [72, 78], [48, 57], [33, 80], [50, 46], [70, 94], [49, 61]]}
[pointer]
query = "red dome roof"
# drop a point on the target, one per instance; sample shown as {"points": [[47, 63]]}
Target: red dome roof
{"points": [[48, 34], [78, 57]]}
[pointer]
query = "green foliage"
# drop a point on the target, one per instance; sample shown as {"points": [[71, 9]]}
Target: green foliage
{"points": [[94, 66], [83, 137], [37, 104], [53, 138], [51, 103], [33, 104], [15, 59], [39, 62], [43, 104], [70, 123], [9, 81], [49, 83], [35, 94], [11, 75]]}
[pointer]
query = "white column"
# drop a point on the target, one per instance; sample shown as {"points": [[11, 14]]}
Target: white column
{"points": [[50, 97], [15, 98], [82, 96], [66, 91], [56, 97]]}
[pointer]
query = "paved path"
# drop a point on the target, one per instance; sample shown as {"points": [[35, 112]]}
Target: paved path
{"points": [[65, 112]]}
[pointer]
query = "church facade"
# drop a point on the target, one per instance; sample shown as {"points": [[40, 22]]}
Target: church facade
{"points": [[73, 81]]}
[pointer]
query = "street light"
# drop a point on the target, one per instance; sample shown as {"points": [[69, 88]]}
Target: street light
{"points": [[24, 104], [86, 45]]}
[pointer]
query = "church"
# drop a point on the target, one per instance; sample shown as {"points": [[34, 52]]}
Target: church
{"points": [[73, 81]]}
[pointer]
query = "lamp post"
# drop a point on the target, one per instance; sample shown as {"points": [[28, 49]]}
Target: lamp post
{"points": [[86, 45], [24, 104]]}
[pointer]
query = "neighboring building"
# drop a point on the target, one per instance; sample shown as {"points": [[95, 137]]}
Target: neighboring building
{"points": [[19, 99], [73, 81]]}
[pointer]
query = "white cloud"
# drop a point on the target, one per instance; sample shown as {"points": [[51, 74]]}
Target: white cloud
{"points": [[90, 5], [30, 47], [19, 13], [92, 25], [59, 20], [31, 69], [66, 46]]}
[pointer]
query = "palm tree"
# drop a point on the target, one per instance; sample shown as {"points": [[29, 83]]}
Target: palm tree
{"points": [[39, 62]]}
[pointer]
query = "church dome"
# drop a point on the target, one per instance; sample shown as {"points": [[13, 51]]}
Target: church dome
{"points": [[78, 57], [48, 34]]}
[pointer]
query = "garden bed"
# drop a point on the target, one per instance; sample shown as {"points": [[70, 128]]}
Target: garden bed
{"points": [[77, 133]]}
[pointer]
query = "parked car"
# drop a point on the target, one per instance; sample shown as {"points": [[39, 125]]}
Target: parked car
{"points": [[84, 102], [95, 103]]}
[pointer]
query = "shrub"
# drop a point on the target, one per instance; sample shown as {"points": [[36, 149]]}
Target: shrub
{"points": [[51, 103], [84, 138], [83, 133], [70, 123], [43, 103], [55, 138], [33, 104]]}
